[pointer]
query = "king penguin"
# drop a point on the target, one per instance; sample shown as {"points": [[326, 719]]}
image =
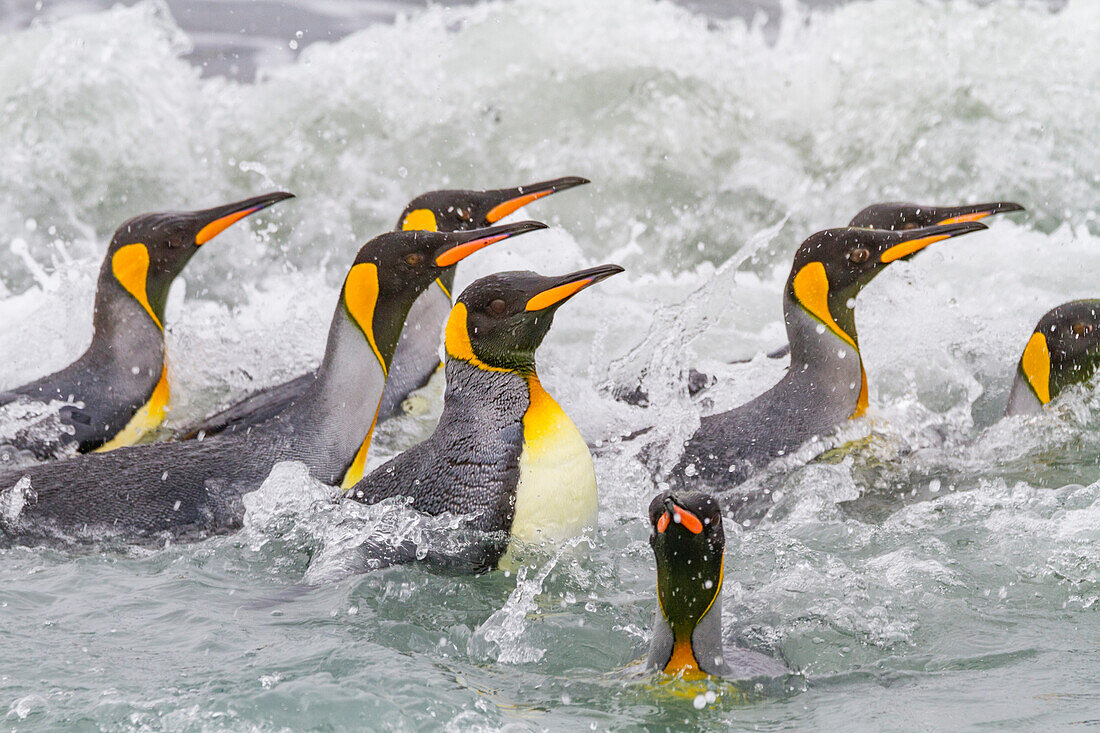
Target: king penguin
{"points": [[825, 384], [504, 454], [1063, 350], [891, 216], [417, 355], [194, 488], [117, 390], [689, 545]]}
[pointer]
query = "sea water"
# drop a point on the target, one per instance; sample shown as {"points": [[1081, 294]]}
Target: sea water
{"points": [[930, 566]]}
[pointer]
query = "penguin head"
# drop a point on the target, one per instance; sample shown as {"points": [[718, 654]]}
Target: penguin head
{"points": [[1064, 349], [689, 545], [395, 267], [900, 216], [457, 211], [149, 251], [832, 266], [499, 321]]}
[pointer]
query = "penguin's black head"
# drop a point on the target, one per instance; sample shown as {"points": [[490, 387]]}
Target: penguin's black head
{"points": [[1064, 349], [149, 251], [832, 266], [458, 211], [500, 320], [899, 216], [396, 267], [689, 545]]}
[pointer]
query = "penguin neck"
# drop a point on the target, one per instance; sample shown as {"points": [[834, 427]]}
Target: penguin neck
{"points": [[126, 340], [1022, 399], [333, 420], [827, 354], [689, 648]]}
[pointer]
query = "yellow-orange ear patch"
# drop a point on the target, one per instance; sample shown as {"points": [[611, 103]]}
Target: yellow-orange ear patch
{"points": [[811, 288], [130, 265], [1035, 364], [456, 340], [420, 220], [361, 298]]}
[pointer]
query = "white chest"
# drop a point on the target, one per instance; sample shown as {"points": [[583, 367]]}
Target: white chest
{"points": [[556, 493]]}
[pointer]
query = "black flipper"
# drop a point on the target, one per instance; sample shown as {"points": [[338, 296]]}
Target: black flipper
{"points": [[252, 410]]}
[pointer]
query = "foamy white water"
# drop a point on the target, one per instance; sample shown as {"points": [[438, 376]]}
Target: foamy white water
{"points": [[944, 571]]}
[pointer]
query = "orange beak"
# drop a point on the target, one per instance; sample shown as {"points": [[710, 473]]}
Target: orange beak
{"points": [[222, 217]]}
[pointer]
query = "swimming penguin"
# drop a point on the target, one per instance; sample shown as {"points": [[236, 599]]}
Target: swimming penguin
{"points": [[825, 384], [417, 355], [1064, 350], [893, 216], [504, 454], [690, 547], [195, 488], [118, 389]]}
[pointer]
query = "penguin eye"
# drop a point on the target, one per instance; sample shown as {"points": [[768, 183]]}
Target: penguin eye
{"points": [[414, 259], [858, 256], [498, 306], [1081, 329], [465, 215], [910, 225]]}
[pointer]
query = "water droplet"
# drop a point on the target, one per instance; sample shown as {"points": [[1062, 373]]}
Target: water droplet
{"points": [[699, 702]]}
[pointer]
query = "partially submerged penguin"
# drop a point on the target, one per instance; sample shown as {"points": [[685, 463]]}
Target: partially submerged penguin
{"points": [[417, 355], [892, 216], [1063, 350], [826, 383], [118, 389], [195, 488], [690, 547], [504, 454]]}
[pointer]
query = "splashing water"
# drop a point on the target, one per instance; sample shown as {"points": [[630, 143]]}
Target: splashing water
{"points": [[941, 568]]}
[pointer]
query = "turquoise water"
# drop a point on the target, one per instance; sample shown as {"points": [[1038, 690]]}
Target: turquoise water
{"points": [[941, 571]]}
